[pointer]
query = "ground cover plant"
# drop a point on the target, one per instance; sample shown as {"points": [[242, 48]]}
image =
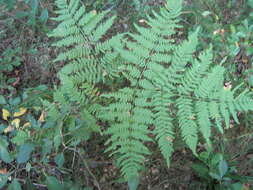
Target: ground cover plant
{"points": [[93, 100]]}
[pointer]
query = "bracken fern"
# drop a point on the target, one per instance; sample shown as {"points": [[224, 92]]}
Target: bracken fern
{"points": [[89, 58], [170, 88]]}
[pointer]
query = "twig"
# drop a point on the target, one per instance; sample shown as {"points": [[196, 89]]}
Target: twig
{"points": [[90, 172], [36, 184], [95, 181], [73, 160]]}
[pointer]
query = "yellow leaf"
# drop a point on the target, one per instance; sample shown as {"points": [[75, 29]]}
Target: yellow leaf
{"points": [[8, 129], [27, 124], [15, 123], [42, 117], [6, 114], [20, 113]]}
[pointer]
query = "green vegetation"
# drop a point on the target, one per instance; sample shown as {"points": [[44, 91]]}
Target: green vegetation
{"points": [[216, 173], [90, 98]]}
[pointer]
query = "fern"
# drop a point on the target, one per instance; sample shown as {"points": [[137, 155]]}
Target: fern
{"points": [[90, 58], [169, 88]]}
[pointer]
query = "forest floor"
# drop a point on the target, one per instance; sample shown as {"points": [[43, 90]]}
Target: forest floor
{"points": [[35, 53]]}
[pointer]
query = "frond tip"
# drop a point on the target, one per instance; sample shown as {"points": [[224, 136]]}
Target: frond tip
{"points": [[90, 58]]}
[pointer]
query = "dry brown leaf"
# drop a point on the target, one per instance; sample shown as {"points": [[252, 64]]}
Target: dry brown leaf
{"points": [[27, 124], [42, 116], [8, 129], [3, 171]]}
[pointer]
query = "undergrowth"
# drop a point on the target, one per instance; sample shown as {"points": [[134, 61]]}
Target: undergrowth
{"points": [[160, 83]]}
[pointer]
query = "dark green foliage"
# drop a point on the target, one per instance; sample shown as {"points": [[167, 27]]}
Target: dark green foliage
{"points": [[35, 15], [216, 173], [228, 26], [9, 60]]}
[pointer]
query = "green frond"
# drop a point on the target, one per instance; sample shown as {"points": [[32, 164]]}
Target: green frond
{"points": [[195, 73], [244, 101], [187, 122], [211, 83], [203, 118], [181, 56], [164, 128], [170, 88], [81, 34], [129, 129], [174, 7]]}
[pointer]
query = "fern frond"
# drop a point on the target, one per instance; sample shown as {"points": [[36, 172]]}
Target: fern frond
{"points": [[129, 129], [194, 74], [164, 128], [181, 56], [174, 82], [142, 53], [187, 122], [171, 86], [91, 58]]}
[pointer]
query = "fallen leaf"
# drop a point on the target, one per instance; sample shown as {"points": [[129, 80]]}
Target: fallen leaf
{"points": [[16, 82], [219, 31], [142, 21], [8, 129], [227, 86], [15, 123], [42, 116], [246, 187], [3, 171], [27, 124], [17, 72], [6, 114], [94, 12], [245, 60], [21, 112]]}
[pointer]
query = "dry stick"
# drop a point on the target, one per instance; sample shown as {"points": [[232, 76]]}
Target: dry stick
{"points": [[89, 171], [73, 160], [84, 162], [36, 184]]}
